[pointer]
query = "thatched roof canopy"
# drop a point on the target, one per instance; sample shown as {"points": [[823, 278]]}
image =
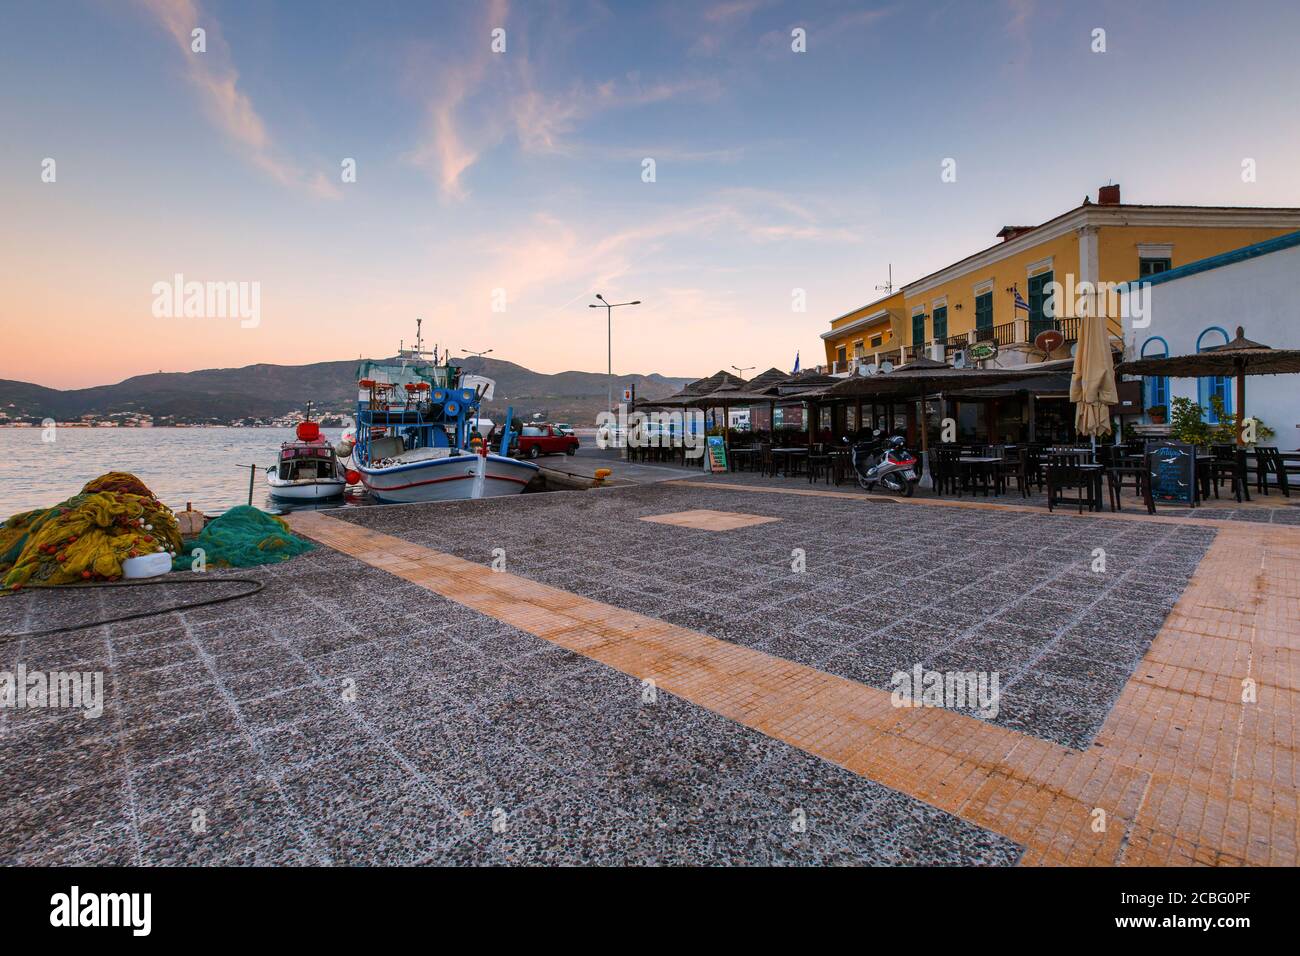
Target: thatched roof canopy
{"points": [[1241, 356]]}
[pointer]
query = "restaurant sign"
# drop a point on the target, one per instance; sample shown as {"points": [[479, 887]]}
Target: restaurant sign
{"points": [[1171, 468], [982, 351], [717, 454]]}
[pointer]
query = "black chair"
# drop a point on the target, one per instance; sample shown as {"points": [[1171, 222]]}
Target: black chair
{"points": [[819, 467], [1064, 474], [1119, 473], [1016, 467], [945, 470], [1269, 461], [1229, 462]]}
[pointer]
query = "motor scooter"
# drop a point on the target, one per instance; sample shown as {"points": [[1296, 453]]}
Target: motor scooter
{"points": [[885, 461]]}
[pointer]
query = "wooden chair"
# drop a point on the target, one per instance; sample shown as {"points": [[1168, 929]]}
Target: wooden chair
{"points": [[1229, 462], [945, 470], [1016, 468], [1064, 474], [1269, 461], [819, 467]]}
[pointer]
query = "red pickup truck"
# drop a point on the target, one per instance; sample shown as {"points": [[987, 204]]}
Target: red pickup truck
{"points": [[537, 440]]}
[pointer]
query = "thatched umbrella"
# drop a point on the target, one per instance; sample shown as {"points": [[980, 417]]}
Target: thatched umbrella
{"points": [[1238, 358]]}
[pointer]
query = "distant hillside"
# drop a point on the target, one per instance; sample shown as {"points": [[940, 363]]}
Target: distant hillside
{"points": [[269, 391]]}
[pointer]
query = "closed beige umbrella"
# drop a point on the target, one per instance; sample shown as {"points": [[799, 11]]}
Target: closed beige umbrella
{"points": [[1092, 383]]}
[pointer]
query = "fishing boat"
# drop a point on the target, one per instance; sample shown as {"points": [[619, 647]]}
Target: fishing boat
{"points": [[417, 435], [308, 469]]}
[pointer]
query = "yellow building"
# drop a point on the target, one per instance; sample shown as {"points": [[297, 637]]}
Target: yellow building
{"points": [[973, 301]]}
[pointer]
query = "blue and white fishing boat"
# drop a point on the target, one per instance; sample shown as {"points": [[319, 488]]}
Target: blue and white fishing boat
{"points": [[417, 435]]}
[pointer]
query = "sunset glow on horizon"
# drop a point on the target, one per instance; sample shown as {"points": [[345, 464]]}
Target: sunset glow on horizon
{"points": [[496, 192]]}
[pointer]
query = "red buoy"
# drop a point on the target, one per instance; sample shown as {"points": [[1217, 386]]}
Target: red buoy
{"points": [[354, 477], [308, 431]]}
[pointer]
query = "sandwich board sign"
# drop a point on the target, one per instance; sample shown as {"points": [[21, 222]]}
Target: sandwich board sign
{"points": [[717, 454], [1171, 475]]}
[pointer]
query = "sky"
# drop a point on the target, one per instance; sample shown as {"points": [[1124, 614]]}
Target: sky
{"points": [[497, 190]]}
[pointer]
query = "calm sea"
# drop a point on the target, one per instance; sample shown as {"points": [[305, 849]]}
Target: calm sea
{"points": [[206, 466]]}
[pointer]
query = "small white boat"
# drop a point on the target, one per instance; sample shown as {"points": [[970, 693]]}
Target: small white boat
{"points": [[308, 469], [414, 477]]}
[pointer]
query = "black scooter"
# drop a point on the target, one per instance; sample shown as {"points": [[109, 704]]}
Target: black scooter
{"points": [[885, 461]]}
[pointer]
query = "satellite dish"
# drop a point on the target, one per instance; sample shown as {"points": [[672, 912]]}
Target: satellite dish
{"points": [[886, 366], [959, 358], [1048, 340]]}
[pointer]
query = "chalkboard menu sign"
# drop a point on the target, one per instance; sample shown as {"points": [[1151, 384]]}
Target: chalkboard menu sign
{"points": [[717, 453], [1171, 471]]}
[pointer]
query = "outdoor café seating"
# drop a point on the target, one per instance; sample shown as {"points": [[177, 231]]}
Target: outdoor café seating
{"points": [[1269, 462], [1229, 461], [1067, 472]]}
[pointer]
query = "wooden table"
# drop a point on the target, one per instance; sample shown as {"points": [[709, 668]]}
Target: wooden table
{"points": [[988, 466], [1094, 475], [789, 454], [742, 453]]}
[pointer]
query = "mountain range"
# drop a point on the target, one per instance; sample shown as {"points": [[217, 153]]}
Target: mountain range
{"points": [[270, 391]]}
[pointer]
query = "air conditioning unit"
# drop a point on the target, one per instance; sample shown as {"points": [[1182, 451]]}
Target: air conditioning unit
{"points": [[959, 358]]}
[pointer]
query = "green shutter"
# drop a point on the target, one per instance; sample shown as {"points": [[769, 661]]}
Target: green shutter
{"points": [[941, 323], [1038, 321], [984, 314], [918, 329]]}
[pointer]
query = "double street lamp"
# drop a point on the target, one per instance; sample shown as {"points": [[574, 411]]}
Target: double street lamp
{"points": [[476, 354], [609, 321]]}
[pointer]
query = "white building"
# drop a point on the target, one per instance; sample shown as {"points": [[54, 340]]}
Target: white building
{"points": [[1200, 305]]}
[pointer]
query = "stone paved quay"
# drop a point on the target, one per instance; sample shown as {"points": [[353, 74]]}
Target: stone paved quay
{"points": [[522, 698]]}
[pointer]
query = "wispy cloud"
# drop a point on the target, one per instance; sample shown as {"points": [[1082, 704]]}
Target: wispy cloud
{"points": [[482, 100], [214, 76]]}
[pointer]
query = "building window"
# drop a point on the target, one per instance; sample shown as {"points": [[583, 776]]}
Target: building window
{"points": [[1151, 266], [1156, 386], [1211, 385], [1038, 321], [918, 328], [841, 355], [857, 349], [941, 323], [984, 314], [876, 341]]}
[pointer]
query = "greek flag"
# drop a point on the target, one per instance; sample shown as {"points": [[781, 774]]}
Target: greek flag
{"points": [[796, 364], [1020, 300]]}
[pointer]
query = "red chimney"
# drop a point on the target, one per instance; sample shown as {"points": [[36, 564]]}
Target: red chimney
{"points": [[1108, 195], [1007, 233]]}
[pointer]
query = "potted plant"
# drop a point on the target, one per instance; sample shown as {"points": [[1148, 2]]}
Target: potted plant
{"points": [[1156, 413]]}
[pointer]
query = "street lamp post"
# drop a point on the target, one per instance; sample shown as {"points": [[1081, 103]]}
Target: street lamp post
{"points": [[476, 354], [609, 356]]}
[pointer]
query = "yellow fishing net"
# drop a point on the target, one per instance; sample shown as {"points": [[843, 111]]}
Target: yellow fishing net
{"points": [[87, 537]]}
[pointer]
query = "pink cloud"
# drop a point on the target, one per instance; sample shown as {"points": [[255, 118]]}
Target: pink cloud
{"points": [[213, 74]]}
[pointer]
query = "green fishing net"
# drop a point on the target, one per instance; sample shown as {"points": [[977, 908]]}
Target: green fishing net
{"points": [[241, 538]]}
